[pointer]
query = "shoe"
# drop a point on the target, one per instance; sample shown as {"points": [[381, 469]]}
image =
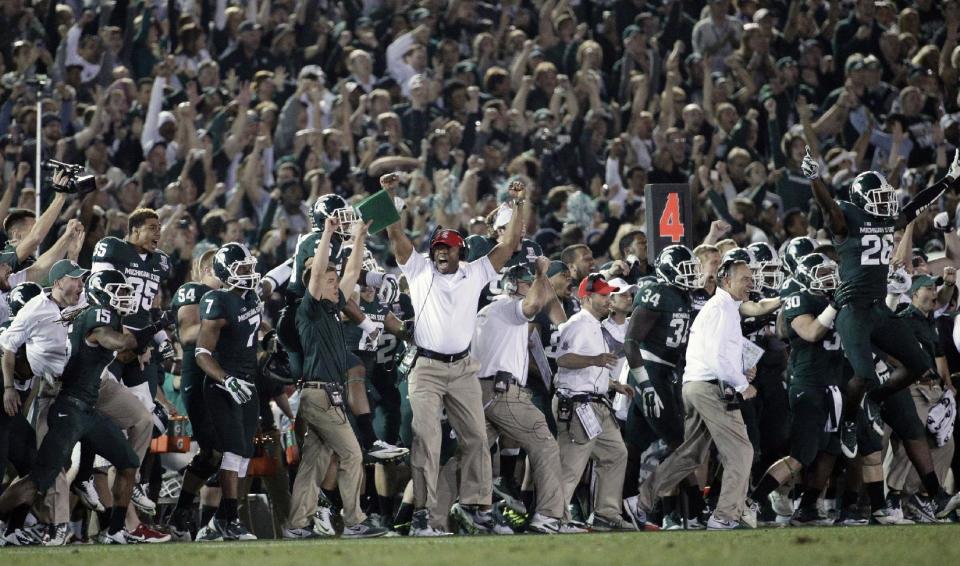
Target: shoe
{"points": [[56, 535], [889, 516], [631, 506], [872, 413], [946, 504], [220, 530], [474, 521], [365, 529], [20, 537], [781, 503], [516, 521], [145, 534], [299, 533], [119, 537], [541, 524], [717, 524], [183, 525], [508, 492], [384, 451], [694, 524], [420, 525], [209, 533], [237, 531], [848, 439], [573, 528], [671, 522], [923, 509], [852, 516], [140, 500], [807, 517], [323, 520], [87, 493], [749, 514], [606, 524]]}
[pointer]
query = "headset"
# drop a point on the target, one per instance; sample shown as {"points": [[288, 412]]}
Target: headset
{"points": [[441, 232], [592, 281]]}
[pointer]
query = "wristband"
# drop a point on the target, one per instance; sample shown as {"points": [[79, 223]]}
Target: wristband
{"points": [[827, 316], [368, 325], [198, 350]]}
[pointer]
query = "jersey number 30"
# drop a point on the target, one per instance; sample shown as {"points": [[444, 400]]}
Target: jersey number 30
{"points": [[877, 249]]}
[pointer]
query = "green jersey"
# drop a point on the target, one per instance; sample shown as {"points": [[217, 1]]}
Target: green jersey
{"points": [[306, 248], [667, 340], [236, 349], [189, 294], [85, 363], [789, 287], [816, 364], [146, 272], [865, 256]]}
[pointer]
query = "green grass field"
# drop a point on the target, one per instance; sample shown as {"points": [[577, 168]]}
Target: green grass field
{"points": [[907, 546]]}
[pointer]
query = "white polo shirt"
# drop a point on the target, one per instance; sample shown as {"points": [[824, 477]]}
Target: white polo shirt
{"points": [[445, 306], [37, 325], [500, 340], [715, 346], [13, 280], [582, 334]]}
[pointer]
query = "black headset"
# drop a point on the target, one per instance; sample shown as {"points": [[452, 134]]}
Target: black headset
{"points": [[592, 281]]}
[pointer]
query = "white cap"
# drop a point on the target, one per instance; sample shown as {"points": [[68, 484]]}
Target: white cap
{"points": [[164, 117], [504, 215], [622, 286]]}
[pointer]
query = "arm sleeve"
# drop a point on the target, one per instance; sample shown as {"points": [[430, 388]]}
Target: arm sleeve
{"points": [[483, 269], [395, 64], [280, 274], [151, 125], [415, 264], [19, 331]]}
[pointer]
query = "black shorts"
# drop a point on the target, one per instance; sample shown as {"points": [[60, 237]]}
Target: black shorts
{"points": [[900, 413], [810, 413], [384, 397], [234, 426], [865, 327], [191, 390], [70, 421], [18, 443], [660, 403]]}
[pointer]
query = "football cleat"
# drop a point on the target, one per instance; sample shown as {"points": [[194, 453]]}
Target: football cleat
{"points": [[611, 524], [299, 534], [749, 514], [848, 439], [507, 491], [56, 535], [88, 495], [808, 517], [366, 529], [383, 451], [145, 534], [119, 537], [420, 525], [20, 537], [323, 520], [183, 525], [541, 524], [717, 524], [637, 515], [946, 504], [140, 500], [781, 503]]}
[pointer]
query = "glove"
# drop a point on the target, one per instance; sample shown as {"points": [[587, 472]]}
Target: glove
{"points": [[898, 282], [941, 222], [954, 171], [399, 203], [389, 290], [166, 350], [810, 167], [164, 320], [238, 389]]}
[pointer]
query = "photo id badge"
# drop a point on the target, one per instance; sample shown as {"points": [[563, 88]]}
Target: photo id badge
{"points": [[589, 421]]}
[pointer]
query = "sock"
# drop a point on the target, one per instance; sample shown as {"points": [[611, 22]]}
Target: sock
{"points": [[694, 501], [365, 433], [404, 514], [386, 506], [228, 510], [669, 505], [875, 492], [527, 498], [334, 496], [186, 499], [767, 484], [207, 512], [118, 516], [931, 484], [17, 518], [508, 467], [809, 498]]}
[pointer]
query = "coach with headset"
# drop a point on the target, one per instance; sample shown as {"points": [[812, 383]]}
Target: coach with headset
{"points": [[445, 292]]}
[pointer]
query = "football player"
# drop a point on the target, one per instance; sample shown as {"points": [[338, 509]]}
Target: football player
{"points": [[186, 304], [793, 252], [655, 343], [226, 351], [96, 334], [862, 230], [815, 368]]}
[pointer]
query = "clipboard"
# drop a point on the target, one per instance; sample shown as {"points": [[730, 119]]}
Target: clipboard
{"points": [[380, 209]]}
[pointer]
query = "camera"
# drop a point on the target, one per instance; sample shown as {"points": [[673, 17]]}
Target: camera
{"points": [[77, 182]]}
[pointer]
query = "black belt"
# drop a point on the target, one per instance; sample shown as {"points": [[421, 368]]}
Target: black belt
{"points": [[587, 398], [513, 380], [445, 358], [319, 385]]}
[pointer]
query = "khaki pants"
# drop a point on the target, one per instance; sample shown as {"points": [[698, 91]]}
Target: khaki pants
{"points": [[126, 410], [328, 432], [433, 386], [607, 450], [514, 416], [901, 475], [706, 419]]}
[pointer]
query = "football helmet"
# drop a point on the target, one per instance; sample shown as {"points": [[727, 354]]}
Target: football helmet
{"points": [[796, 249], [20, 294], [735, 256], [228, 261], [769, 271], [817, 273], [678, 266], [109, 288], [369, 262], [871, 192], [334, 206], [510, 281]]}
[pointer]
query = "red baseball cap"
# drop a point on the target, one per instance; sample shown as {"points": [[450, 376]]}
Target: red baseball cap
{"points": [[595, 284], [447, 237]]}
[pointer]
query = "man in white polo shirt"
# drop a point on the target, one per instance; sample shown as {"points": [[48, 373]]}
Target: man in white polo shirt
{"points": [[500, 345], [587, 427], [444, 292], [714, 371]]}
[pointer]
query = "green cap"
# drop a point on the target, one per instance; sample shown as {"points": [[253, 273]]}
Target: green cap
{"points": [[556, 267], [924, 281], [66, 268]]}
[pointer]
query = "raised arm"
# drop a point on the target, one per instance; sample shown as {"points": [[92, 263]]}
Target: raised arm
{"points": [[831, 210], [351, 273], [400, 244], [540, 292], [321, 259], [505, 248]]}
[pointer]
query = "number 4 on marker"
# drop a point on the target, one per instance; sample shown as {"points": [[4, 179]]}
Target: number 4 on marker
{"points": [[670, 224]]}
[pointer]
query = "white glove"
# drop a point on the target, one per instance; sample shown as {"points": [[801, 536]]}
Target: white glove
{"points": [[941, 222], [238, 389], [399, 203], [898, 282], [389, 290], [810, 167], [954, 171]]}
